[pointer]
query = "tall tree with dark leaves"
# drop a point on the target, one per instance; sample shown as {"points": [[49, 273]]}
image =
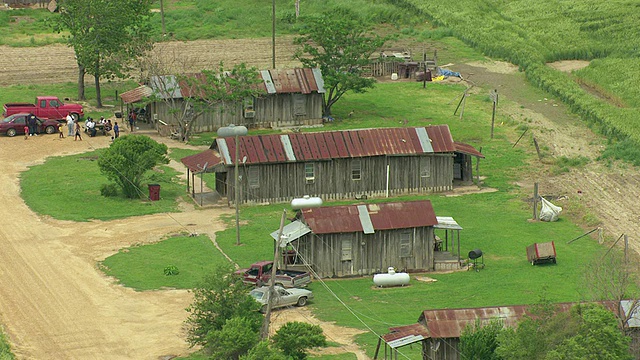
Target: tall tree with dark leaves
{"points": [[106, 35], [340, 44]]}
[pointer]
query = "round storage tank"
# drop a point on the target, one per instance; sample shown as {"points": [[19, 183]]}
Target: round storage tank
{"points": [[391, 278]]}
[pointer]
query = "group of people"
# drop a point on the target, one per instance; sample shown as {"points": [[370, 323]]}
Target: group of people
{"points": [[75, 129], [32, 126]]}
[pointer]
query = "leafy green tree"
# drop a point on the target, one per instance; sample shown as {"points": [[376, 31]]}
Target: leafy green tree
{"points": [[262, 351], [295, 338], [340, 44], [127, 160], [221, 296], [237, 336], [598, 337], [536, 334], [106, 35], [478, 342]]}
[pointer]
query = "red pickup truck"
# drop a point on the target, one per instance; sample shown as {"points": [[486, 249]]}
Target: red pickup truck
{"points": [[259, 274], [46, 107]]}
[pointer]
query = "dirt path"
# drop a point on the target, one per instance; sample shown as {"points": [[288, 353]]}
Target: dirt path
{"points": [[54, 303], [608, 193]]}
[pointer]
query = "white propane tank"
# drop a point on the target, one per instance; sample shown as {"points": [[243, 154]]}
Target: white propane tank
{"points": [[392, 278], [394, 76]]}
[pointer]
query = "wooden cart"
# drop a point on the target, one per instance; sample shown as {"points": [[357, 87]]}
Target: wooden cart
{"points": [[541, 252]]}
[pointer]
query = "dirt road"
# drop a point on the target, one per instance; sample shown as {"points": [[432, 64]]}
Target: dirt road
{"points": [[54, 303]]}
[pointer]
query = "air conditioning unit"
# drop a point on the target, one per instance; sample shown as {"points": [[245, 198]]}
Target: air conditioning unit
{"points": [[249, 114]]}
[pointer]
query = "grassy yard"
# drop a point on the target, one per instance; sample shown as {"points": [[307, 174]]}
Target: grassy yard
{"points": [[498, 223], [81, 173]]}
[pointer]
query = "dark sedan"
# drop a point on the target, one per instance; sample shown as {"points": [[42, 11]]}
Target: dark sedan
{"points": [[14, 125]]}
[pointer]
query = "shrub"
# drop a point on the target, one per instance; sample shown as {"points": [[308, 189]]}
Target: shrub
{"points": [[109, 190]]}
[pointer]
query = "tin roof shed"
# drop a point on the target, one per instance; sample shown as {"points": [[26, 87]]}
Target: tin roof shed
{"points": [[369, 218]]}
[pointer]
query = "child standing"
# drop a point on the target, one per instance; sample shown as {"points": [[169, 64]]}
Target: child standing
{"points": [[26, 132], [60, 127], [78, 132], [116, 130]]}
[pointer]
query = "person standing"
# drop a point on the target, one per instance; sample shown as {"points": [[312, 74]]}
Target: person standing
{"points": [[33, 125], [78, 131], [70, 124], [132, 119], [116, 130], [61, 130], [26, 132]]}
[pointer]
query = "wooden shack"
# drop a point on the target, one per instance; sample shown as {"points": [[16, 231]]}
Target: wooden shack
{"points": [[439, 330], [353, 240], [291, 98], [338, 164]]}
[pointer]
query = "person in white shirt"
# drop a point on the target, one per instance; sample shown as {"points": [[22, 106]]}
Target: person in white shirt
{"points": [[70, 124]]}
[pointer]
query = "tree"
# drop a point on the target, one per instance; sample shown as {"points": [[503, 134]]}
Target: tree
{"points": [[262, 351], [536, 334], [221, 296], [207, 90], [597, 337], [237, 336], [340, 44], [106, 36], [127, 160], [612, 277], [478, 342], [295, 338]]}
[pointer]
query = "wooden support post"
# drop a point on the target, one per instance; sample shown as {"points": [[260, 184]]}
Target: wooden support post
{"points": [[464, 101], [478, 168], [535, 142], [459, 103], [535, 201], [375, 356], [517, 141], [494, 97]]}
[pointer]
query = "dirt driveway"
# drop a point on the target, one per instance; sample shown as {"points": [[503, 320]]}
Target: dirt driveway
{"points": [[55, 304]]}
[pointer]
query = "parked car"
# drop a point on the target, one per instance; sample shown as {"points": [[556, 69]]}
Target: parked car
{"points": [[259, 273], [14, 125], [284, 297]]}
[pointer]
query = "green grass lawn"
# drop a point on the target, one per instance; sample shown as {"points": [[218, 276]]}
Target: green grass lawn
{"points": [[72, 190], [143, 267]]}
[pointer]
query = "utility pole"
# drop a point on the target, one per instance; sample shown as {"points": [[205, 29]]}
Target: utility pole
{"points": [[300, 203], [235, 131]]}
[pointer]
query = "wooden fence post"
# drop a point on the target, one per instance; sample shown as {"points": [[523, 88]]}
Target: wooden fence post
{"points": [[494, 97], [535, 201]]}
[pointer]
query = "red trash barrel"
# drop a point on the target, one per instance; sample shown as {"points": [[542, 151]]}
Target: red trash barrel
{"points": [[154, 192]]}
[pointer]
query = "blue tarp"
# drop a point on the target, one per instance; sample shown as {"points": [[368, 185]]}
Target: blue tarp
{"points": [[447, 72]]}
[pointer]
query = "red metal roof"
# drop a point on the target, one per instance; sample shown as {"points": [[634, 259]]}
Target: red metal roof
{"points": [[136, 94], [285, 81], [384, 216], [449, 323], [196, 162], [467, 149], [337, 144], [408, 331]]}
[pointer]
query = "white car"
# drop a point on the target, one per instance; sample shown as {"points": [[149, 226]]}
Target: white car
{"points": [[283, 297]]}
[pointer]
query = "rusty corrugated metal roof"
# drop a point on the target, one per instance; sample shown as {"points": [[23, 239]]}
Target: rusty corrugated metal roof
{"points": [[282, 81], [449, 323], [197, 162], [136, 94], [467, 149], [337, 144], [383, 216], [405, 335]]}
